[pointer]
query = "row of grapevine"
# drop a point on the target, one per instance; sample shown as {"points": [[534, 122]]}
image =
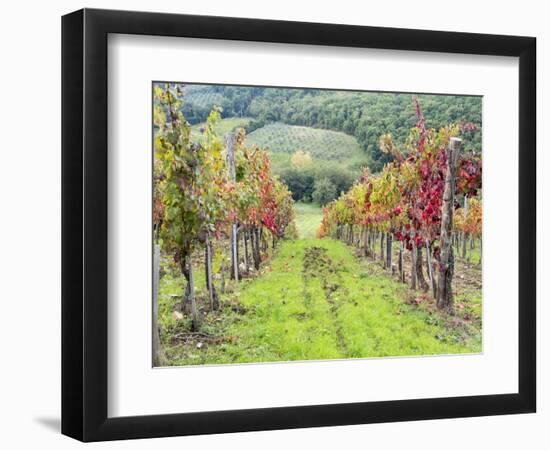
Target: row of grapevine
{"points": [[210, 191], [413, 201], [467, 225], [320, 143], [203, 99]]}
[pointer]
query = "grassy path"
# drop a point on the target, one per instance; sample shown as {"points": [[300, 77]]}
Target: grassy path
{"points": [[308, 218], [317, 301]]}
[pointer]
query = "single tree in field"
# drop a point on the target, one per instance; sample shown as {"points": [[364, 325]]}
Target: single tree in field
{"points": [[324, 191], [301, 159]]}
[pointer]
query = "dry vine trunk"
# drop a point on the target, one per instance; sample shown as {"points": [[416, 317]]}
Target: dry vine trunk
{"points": [[372, 244], [446, 258], [382, 248], [431, 270], [401, 264], [419, 270], [414, 277], [365, 241], [245, 251], [222, 275], [212, 294], [230, 140], [389, 251], [263, 240], [255, 243], [189, 296]]}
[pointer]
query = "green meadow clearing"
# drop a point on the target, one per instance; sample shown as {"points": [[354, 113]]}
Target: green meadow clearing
{"points": [[308, 218], [313, 299]]}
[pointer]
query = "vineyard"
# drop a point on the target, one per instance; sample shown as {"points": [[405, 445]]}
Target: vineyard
{"points": [[203, 98], [413, 200], [321, 144], [243, 273], [283, 141]]}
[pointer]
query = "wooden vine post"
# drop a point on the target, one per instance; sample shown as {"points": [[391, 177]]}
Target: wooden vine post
{"points": [[230, 140], [213, 296], [245, 251], [389, 251], [421, 281], [446, 259], [190, 299], [365, 241], [433, 284], [414, 266]]}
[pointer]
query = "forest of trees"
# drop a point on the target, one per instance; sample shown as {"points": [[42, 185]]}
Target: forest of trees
{"points": [[364, 115]]}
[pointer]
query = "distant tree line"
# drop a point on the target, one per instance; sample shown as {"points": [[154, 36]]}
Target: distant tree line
{"points": [[319, 183], [364, 115]]}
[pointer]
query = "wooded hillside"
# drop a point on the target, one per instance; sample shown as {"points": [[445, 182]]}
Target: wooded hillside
{"points": [[364, 115]]}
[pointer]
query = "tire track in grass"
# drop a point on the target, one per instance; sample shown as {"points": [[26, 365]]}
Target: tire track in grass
{"points": [[318, 264]]}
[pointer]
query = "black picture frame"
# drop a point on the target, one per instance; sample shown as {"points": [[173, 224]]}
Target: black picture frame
{"points": [[84, 224]]}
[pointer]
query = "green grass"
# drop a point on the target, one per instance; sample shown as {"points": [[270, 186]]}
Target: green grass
{"points": [[315, 301], [323, 145], [307, 218]]}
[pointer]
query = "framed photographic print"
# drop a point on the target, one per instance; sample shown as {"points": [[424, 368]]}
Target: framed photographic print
{"points": [[274, 225]]}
